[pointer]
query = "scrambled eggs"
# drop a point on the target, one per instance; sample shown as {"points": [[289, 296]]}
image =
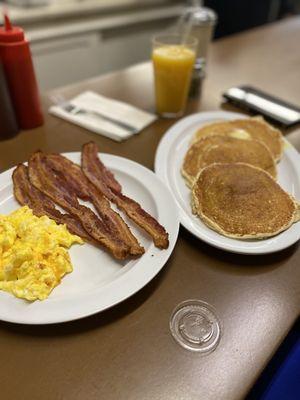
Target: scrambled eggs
{"points": [[33, 255]]}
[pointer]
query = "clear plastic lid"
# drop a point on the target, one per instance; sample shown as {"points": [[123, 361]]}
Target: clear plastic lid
{"points": [[195, 326]]}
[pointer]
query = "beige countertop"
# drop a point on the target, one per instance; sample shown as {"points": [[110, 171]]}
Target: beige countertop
{"points": [[127, 352]]}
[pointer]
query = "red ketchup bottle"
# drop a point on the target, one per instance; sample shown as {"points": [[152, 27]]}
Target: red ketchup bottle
{"points": [[16, 58]]}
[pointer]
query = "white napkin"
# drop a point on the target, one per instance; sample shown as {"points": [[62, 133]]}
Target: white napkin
{"points": [[93, 103]]}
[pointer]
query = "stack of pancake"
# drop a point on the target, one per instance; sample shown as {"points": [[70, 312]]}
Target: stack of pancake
{"points": [[230, 168]]}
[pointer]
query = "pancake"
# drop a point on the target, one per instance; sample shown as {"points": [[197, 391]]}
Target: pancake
{"points": [[251, 128], [225, 149], [242, 201]]}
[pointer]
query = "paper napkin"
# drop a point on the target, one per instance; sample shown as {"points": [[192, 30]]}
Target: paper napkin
{"points": [[92, 103]]}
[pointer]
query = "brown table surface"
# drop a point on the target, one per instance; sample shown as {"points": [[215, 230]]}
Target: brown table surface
{"points": [[127, 352]]}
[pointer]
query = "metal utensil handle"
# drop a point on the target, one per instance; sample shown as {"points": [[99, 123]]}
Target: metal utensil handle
{"points": [[115, 121]]}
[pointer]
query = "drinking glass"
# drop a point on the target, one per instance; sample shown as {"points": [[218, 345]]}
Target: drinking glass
{"points": [[173, 58]]}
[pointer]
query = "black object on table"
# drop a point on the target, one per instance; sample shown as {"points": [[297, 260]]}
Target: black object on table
{"points": [[8, 123]]}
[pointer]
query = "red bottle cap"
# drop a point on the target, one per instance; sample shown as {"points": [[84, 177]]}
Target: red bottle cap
{"points": [[9, 33]]}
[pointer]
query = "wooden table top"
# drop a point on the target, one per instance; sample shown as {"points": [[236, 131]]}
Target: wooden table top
{"points": [[127, 352]]}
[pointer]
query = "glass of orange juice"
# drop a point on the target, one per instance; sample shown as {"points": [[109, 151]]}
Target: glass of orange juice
{"points": [[173, 61]]}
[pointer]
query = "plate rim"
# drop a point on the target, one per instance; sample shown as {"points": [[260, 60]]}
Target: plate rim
{"points": [[129, 289], [160, 169]]}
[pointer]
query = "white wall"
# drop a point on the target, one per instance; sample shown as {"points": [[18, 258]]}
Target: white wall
{"points": [[75, 50]]}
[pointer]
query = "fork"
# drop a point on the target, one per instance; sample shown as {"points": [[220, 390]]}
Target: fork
{"points": [[75, 110]]}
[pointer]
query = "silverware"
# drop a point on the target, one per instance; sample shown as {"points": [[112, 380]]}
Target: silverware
{"points": [[75, 110]]}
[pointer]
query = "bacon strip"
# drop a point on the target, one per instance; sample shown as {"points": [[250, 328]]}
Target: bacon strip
{"points": [[26, 194], [106, 183], [62, 192], [86, 191]]}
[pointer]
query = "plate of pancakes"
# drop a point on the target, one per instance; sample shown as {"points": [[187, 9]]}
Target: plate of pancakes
{"points": [[235, 180]]}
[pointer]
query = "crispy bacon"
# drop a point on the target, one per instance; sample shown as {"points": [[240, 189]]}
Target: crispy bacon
{"points": [[57, 187], [26, 194], [106, 183], [86, 191]]}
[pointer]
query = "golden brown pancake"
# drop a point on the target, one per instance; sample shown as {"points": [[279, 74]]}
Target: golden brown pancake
{"points": [[225, 149], [242, 201], [250, 128]]}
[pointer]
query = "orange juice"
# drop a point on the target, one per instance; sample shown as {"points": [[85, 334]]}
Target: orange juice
{"points": [[173, 65]]}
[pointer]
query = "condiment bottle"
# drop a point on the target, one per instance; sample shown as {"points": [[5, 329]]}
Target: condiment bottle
{"points": [[18, 66], [199, 22], [8, 122]]}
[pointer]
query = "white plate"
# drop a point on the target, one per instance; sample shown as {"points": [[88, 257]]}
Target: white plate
{"points": [[168, 161], [98, 281]]}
